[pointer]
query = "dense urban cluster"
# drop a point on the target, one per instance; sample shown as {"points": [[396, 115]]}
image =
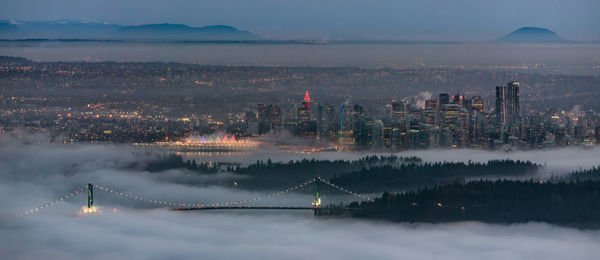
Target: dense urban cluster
{"points": [[351, 108], [446, 122]]}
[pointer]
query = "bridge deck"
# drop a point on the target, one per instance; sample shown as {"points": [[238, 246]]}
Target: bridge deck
{"points": [[249, 207]]}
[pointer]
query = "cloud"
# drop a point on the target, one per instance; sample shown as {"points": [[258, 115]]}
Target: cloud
{"points": [[555, 161], [32, 172], [159, 234], [418, 101]]}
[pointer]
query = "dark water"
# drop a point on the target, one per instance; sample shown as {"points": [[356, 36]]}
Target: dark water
{"points": [[580, 58]]}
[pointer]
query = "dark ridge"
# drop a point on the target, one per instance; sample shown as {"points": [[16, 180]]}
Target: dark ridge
{"points": [[533, 35]]}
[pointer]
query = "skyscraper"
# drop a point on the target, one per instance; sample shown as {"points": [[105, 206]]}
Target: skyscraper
{"points": [[507, 103], [444, 99], [512, 102], [304, 111], [501, 105], [476, 104], [400, 111]]}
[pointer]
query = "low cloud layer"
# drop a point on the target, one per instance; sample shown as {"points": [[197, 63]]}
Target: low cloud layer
{"points": [[32, 173], [158, 234], [556, 161]]}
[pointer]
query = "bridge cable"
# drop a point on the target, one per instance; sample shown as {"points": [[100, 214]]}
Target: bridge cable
{"points": [[200, 205], [344, 190], [48, 204]]}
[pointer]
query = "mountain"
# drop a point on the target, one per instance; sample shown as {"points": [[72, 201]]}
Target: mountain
{"points": [[183, 32], [63, 29], [97, 30], [532, 35], [8, 27]]}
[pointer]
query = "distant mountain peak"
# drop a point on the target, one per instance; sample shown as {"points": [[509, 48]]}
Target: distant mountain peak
{"points": [[83, 29], [174, 26], [220, 27], [532, 34]]}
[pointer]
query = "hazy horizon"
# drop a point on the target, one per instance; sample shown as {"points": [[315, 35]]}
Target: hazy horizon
{"points": [[466, 20], [570, 59]]}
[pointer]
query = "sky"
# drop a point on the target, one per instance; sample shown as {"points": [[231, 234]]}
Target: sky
{"points": [[334, 19]]}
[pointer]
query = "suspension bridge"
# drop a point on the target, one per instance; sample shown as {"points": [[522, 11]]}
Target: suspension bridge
{"points": [[316, 204]]}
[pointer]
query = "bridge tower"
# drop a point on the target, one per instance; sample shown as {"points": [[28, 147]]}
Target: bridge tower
{"points": [[90, 202], [317, 191]]}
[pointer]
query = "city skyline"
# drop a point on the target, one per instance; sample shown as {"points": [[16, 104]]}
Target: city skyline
{"points": [[289, 129]]}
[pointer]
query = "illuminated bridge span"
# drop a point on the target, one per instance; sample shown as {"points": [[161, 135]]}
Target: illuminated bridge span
{"points": [[316, 204]]}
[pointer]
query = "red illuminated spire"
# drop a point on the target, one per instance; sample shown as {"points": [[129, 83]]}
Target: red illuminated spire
{"points": [[306, 102]]}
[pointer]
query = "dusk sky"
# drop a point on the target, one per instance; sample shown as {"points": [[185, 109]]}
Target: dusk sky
{"points": [[334, 19]]}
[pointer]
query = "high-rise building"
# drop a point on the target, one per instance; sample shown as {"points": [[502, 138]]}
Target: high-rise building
{"points": [[458, 99], [430, 114], [444, 99], [501, 105], [274, 116], [507, 103], [306, 126], [449, 116], [363, 133], [304, 111], [327, 120], [269, 117], [378, 127], [400, 111], [306, 102], [261, 112], [476, 104], [512, 102]]}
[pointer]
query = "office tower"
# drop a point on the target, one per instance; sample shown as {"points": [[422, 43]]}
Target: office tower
{"points": [[507, 103], [449, 116], [476, 104], [400, 111], [378, 127], [274, 116], [363, 133], [306, 102], [261, 112], [444, 99], [269, 117], [430, 115], [512, 102], [346, 126], [501, 105], [458, 99], [327, 120], [306, 127], [304, 111]]}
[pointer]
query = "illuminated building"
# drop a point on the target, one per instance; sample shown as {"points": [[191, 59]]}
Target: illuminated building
{"points": [[306, 126], [507, 103], [207, 143], [269, 117], [444, 99], [304, 111], [346, 126], [327, 121], [430, 114], [512, 101], [306, 102], [378, 128], [501, 105], [449, 116], [476, 104], [400, 111], [458, 99], [363, 129]]}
